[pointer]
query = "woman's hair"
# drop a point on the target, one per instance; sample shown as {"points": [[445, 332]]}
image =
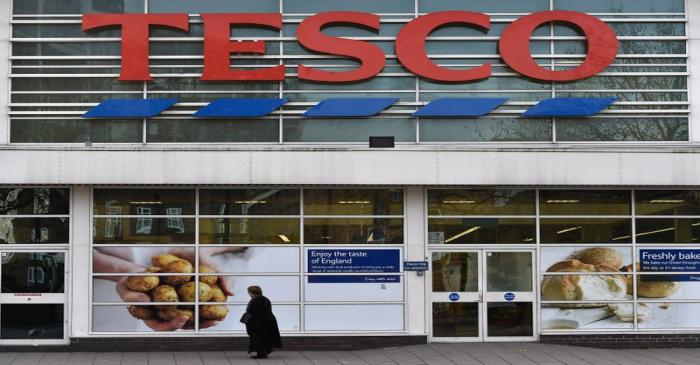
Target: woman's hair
{"points": [[255, 290]]}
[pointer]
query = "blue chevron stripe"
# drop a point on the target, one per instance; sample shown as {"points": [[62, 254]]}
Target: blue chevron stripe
{"points": [[568, 107], [241, 108], [459, 107], [129, 108], [350, 107]]}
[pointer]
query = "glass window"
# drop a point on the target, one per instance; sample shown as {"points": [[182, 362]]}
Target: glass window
{"points": [[485, 130], [670, 316], [481, 230], [33, 272], [455, 271], [348, 130], [212, 6], [530, 6], [34, 230], [667, 202], [353, 202], [249, 202], [621, 6], [249, 230], [75, 131], [481, 202], [143, 201], [34, 201], [668, 230], [508, 271], [77, 6], [366, 317], [209, 130], [118, 230], [455, 319], [585, 202], [622, 129], [317, 6], [585, 230], [353, 231], [509, 319], [31, 321], [612, 257]]}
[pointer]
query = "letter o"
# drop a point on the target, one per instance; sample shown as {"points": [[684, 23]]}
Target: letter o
{"points": [[515, 45]]}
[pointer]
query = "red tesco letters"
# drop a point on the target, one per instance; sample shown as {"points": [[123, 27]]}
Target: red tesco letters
{"points": [[514, 45]]}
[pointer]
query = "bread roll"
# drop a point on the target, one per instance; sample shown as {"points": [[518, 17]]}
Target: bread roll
{"points": [[625, 312], [582, 287], [650, 289], [599, 256]]}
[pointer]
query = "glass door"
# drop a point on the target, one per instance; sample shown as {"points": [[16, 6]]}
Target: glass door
{"points": [[509, 299], [483, 295], [456, 296], [33, 297]]}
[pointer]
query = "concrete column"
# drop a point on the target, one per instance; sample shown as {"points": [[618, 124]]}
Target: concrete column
{"points": [[80, 263], [415, 251]]}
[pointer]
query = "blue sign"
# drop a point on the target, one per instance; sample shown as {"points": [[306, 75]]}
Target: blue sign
{"points": [[415, 266], [454, 297], [509, 296], [348, 107], [324, 279], [353, 260], [673, 260]]}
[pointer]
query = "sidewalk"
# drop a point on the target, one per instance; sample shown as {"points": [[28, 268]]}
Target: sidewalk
{"points": [[480, 353]]}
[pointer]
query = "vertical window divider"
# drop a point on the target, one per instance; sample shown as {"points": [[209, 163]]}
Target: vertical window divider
{"points": [[302, 259], [196, 260], [538, 259], [634, 261]]}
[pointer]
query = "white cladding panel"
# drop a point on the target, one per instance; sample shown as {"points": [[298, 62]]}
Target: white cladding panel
{"points": [[350, 167]]}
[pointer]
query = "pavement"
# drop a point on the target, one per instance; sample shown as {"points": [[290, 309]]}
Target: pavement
{"points": [[463, 353]]}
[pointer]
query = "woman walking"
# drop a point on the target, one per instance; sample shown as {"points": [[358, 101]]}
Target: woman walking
{"points": [[260, 324]]}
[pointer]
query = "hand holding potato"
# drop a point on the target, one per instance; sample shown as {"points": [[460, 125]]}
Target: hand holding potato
{"points": [[175, 289]]}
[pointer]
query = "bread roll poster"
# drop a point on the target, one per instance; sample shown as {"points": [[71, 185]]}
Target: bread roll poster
{"points": [[584, 287]]}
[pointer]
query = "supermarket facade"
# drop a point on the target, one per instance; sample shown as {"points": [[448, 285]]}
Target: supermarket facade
{"points": [[402, 170]]}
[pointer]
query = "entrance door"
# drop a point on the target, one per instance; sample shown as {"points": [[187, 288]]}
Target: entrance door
{"points": [[33, 297], [483, 295]]}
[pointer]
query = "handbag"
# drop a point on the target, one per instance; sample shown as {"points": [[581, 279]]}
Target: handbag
{"points": [[245, 318]]}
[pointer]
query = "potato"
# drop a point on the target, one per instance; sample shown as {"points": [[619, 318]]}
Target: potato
{"points": [[209, 279], [163, 260], [172, 313], [153, 269], [142, 284], [217, 295], [164, 293], [213, 312], [187, 292], [177, 266], [141, 312]]}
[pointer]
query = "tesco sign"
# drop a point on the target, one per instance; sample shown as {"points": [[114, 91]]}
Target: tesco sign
{"points": [[514, 45]]}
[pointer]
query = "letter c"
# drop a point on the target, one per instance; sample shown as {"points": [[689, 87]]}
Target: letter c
{"points": [[515, 45], [410, 46]]}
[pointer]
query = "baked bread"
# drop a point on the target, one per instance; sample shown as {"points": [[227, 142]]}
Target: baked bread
{"points": [[650, 289], [599, 256], [582, 287], [625, 312]]}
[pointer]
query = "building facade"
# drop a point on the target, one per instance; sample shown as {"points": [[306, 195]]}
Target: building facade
{"points": [[552, 200]]}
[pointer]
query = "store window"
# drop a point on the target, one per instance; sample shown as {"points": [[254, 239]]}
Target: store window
{"points": [[481, 216], [34, 216], [192, 253]]}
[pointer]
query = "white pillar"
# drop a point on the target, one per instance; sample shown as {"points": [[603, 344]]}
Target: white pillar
{"points": [[416, 251], [80, 263]]}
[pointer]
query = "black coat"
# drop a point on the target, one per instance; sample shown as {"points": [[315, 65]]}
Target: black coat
{"points": [[262, 326]]}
